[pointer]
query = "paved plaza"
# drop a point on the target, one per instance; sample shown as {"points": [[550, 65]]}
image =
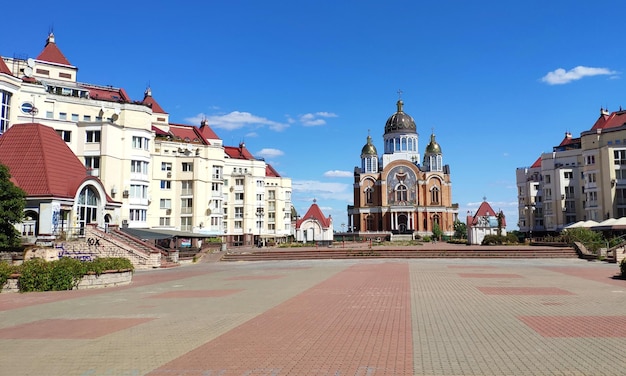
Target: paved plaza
{"points": [[328, 317]]}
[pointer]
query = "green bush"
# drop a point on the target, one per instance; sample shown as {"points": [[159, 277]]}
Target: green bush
{"points": [[622, 267], [6, 270], [100, 265], [63, 274], [592, 240]]}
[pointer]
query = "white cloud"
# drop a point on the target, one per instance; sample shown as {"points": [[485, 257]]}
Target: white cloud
{"points": [[322, 190], [338, 174], [269, 153], [315, 119], [237, 120], [561, 76]]}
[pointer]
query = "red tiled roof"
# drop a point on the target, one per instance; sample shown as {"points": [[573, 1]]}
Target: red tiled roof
{"points": [[568, 140], [52, 54], [185, 132], [271, 172], [315, 213], [486, 210], [111, 94], [207, 132], [238, 152], [149, 101], [537, 163], [159, 131], [4, 68], [40, 161], [615, 119]]}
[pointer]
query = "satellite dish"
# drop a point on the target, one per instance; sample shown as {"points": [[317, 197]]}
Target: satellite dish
{"points": [[30, 62], [117, 111], [28, 71]]}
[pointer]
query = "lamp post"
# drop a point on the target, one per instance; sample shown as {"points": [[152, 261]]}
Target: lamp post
{"points": [[259, 214]]}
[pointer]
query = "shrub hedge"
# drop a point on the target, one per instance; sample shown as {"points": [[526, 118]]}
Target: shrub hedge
{"points": [[63, 274]]}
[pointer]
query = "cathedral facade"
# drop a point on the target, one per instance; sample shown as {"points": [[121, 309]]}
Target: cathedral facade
{"points": [[399, 192]]}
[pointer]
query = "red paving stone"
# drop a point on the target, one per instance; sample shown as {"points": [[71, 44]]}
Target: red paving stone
{"points": [[489, 275], [523, 291], [596, 274], [69, 328], [357, 322], [196, 294], [577, 326]]}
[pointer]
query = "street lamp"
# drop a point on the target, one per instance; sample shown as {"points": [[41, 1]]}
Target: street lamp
{"points": [[259, 214]]}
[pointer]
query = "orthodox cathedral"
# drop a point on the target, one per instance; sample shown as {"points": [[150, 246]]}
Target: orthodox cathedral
{"points": [[395, 194]]}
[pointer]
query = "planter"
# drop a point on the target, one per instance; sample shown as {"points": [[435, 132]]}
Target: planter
{"points": [[108, 278]]}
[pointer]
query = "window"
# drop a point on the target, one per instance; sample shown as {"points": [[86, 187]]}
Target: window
{"points": [[369, 199], [259, 197], [166, 166], [401, 193], [590, 159], [185, 223], [49, 114], [569, 192], [239, 212], [138, 191], [65, 135], [165, 203], [619, 157], [217, 172], [187, 166], [92, 162], [164, 221], [434, 195], [5, 110], [186, 205], [74, 117], [166, 184], [62, 115], [238, 196], [568, 175], [139, 167], [239, 182], [140, 143], [215, 187], [93, 136], [86, 117], [271, 195], [138, 215], [547, 179], [187, 187]]}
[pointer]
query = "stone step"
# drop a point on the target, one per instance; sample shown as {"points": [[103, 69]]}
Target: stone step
{"points": [[373, 253]]}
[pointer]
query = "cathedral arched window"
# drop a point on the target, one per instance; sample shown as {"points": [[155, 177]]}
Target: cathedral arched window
{"points": [[401, 193], [369, 223], [434, 195], [369, 195], [436, 220]]}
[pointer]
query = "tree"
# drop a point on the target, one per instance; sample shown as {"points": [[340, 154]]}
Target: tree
{"points": [[437, 231], [460, 230], [500, 217], [12, 203]]}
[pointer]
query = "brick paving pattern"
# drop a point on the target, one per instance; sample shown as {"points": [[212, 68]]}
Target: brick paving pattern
{"points": [[357, 321], [328, 317]]}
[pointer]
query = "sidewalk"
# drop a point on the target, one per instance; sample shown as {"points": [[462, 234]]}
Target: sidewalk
{"points": [[328, 317]]}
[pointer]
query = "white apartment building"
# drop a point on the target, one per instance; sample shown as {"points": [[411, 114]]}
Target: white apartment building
{"points": [[168, 176], [582, 179]]}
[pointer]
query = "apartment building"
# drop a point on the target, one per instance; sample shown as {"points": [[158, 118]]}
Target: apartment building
{"points": [[583, 178], [164, 175]]}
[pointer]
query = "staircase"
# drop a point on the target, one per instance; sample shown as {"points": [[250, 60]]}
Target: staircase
{"points": [[378, 253]]}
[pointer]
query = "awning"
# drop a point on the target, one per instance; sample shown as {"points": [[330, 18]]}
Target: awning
{"points": [[148, 233]]}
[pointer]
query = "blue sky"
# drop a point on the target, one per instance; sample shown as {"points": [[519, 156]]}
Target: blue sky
{"points": [[303, 82]]}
